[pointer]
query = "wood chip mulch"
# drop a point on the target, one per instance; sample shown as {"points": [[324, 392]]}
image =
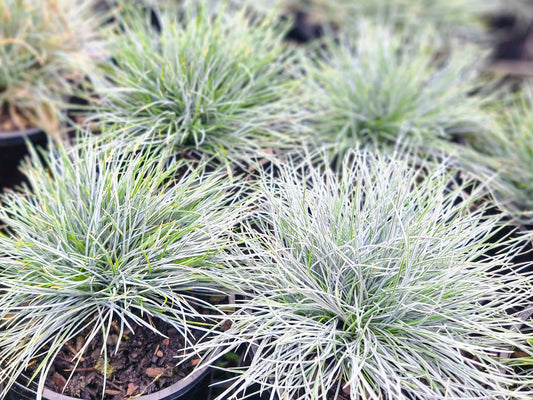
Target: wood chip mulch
{"points": [[144, 363]]}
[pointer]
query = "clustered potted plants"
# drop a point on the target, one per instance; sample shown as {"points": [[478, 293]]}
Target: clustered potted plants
{"points": [[349, 216]]}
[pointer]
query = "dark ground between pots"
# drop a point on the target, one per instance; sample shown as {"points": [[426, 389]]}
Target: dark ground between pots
{"points": [[512, 55]]}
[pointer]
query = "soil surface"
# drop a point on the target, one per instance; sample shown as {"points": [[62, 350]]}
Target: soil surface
{"points": [[343, 395], [144, 363]]}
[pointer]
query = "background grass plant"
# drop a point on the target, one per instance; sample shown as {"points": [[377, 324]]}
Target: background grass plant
{"points": [[447, 15], [99, 235], [378, 284], [507, 155], [383, 85], [218, 82], [46, 49]]}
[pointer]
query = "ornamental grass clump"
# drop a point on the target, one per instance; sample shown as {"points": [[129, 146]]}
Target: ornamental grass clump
{"points": [[213, 79], [506, 157], [447, 15], [47, 47], [377, 285], [98, 236], [382, 84]]}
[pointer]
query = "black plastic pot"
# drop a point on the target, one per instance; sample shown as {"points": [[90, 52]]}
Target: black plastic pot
{"points": [[196, 386], [193, 387], [13, 149]]}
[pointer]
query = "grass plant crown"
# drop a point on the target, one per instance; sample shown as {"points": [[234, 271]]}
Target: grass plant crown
{"points": [[217, 81], [98, 235], [381, 84], [377, 283]]}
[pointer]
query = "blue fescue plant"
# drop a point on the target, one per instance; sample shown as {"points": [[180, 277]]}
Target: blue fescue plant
{"points": [[447, 15], [383, 84], [47, 47], [377, 284], [214, 79], [99, 235], [506, 157]]}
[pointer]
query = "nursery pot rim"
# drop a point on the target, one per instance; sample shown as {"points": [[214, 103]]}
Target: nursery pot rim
{"points": [[17, 137]]}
